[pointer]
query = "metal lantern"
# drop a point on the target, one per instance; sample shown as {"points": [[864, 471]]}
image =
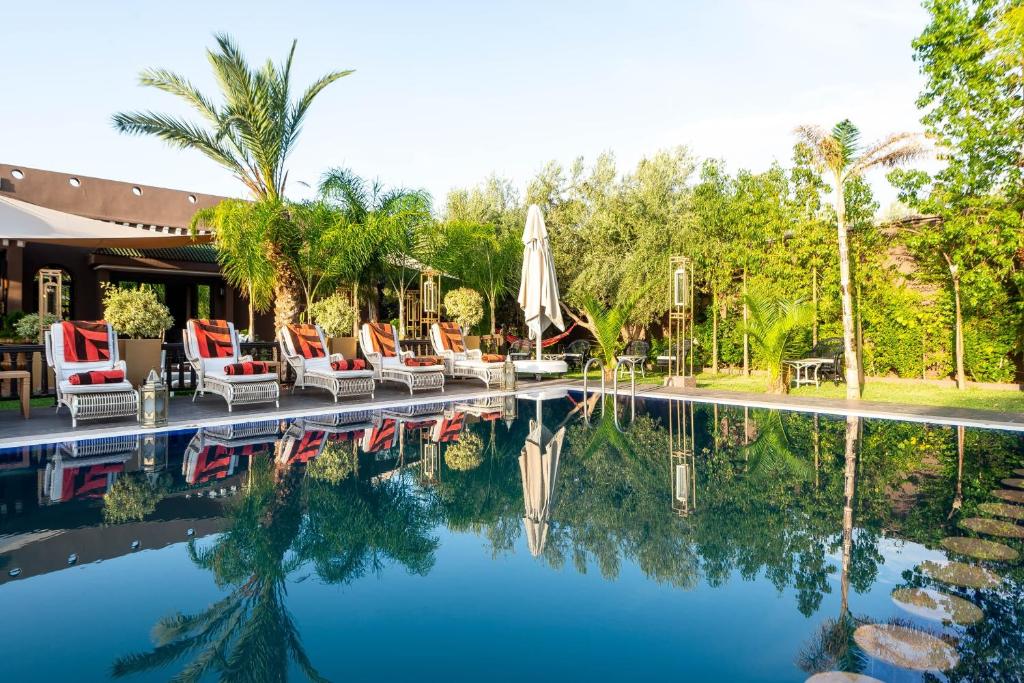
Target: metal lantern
{"points": [[430, 461], [153, 399], [153, 454], [680, 322], [509, 410], [51, 291], [508, 375], [430, 292], [681, 286]]}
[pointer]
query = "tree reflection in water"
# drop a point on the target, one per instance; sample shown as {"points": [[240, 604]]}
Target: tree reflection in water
{"points": [[284, 521]]}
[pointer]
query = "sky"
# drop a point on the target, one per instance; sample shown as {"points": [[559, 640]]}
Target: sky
{"points": [[445, 94]]}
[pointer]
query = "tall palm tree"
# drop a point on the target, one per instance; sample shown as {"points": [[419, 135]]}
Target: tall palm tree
{"points": [[839, 153], [240, 232], [396, 217], [250, 133]]}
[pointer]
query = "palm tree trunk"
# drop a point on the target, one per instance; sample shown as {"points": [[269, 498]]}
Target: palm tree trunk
{"points": [[746, 337], [491, 303], [355, 308], [853, 388], [252, 320], [286, 291], [714, 329], [849, 481], [860, 340], [401, 313]]}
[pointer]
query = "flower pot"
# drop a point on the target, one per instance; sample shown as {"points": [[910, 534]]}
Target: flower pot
{"points": [[472, 341], [141, 356], [346, 346]]}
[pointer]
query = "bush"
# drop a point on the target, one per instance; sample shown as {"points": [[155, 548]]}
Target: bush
{"points": [[130, 499], [466, 454], [465, 306], [335, 463], [27, 326], [135, 312], [333, 314], [987, 349]]}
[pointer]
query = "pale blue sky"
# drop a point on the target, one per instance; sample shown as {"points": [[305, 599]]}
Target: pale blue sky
{"points": [[445, 93]]}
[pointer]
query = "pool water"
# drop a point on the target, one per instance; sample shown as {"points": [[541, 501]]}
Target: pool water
{"points": [[518, 540]]}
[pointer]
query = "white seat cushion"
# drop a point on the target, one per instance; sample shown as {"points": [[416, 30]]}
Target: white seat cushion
{"points": [[541, 367], [69, 388], [340, 374], [476, 364], [235, 379]]}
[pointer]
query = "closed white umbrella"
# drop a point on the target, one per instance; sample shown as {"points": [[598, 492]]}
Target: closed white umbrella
{"points": [[538, 467], [538, 286]]}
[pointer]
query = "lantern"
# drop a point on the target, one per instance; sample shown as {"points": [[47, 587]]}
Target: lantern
{"points": [[508, 375], [153, 400], [430, 292], [509, 410], [681, 286], [51, 291], [430, 461], [153, 454]]}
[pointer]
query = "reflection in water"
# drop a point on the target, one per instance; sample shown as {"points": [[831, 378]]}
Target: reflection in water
{"points": [[805, 504]]}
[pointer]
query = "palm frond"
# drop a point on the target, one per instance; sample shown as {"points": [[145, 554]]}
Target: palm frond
{"points": [[895, 149]]}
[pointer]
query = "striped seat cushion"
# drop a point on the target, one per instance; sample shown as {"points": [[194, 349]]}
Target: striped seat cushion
{"points": [[492, 358], [423, 361], [306, 341], [451, 337], [382, 339], [345, 365], [86, 341], [213, 338], [253, 367], [97, 377]]}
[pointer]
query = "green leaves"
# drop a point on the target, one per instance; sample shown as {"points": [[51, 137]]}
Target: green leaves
{"points": [[606, 324], [775, 327]]}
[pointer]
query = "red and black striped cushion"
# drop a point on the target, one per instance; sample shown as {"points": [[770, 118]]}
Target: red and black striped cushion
{"points": [[305, 449], [382, 339], [451, 428], [451, 337], [381, 438], [492, 358], [97, 377], [252, 367], [306, 341], [213, 338], [86, 341], [423, 361], [345, 365]]}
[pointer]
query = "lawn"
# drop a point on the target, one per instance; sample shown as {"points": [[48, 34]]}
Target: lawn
{"points": [[906, 393]]}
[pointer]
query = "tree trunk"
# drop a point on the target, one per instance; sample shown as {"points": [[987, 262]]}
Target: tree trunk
{"points": [[860, 342], [714, 330], [355, 309], [958, 497], [958, 328], [853, 388], [286, 292], [252, 320], [401, 314], [849, 481], [814, 302], [492, 304], [746, 337]]}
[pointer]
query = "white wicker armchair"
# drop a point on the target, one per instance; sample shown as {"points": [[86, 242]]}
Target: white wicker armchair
{"points": [[317, 372], [234, 389], [89, 401], [392, 367], [467, 363]]}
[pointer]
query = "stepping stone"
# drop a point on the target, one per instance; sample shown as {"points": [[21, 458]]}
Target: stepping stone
{"points": [[1010, 495], [1019, 472], [1018, 483], [841, 677], [929, 603], [993, 527], [980, 548], [1002, 510], [960, 574], [907, 648]]}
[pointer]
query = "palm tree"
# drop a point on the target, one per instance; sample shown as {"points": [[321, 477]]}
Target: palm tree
{"points": [[839, 153], [241, 231], [606, 324], [394, 217], [774, 327], [251, 133]]}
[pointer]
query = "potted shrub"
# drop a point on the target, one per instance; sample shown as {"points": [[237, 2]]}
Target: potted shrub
{"points": [[466, 307], [140, 321], [334, 314]]}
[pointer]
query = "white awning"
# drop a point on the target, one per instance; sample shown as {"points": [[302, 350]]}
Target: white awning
{"points": [[21, 221]]}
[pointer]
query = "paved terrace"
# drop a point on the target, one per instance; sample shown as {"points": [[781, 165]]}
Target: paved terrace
{"points": [[46, 426]]}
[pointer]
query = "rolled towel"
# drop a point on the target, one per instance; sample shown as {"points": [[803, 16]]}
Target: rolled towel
{"points": [[253, 367], [346, 364], [97, 377]]}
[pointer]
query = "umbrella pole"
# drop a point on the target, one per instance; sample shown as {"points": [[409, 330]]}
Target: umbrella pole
{"points": [[538, 346]]}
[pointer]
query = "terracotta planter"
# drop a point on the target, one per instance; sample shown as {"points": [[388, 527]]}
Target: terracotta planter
{"points": [[346, 346], [472, 341], [141, 356]]}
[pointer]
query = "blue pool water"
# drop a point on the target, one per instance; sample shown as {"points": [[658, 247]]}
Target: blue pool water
{"points": [[467, 541]]}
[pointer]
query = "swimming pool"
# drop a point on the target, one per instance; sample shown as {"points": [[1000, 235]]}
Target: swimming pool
{"points": [[523, 539]]}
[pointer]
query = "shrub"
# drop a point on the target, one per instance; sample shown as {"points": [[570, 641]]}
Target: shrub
{"points": [[466, 454], [335, 463], [27, 327], [135, 312], [130, 499], [465, 306], [334, 314]]}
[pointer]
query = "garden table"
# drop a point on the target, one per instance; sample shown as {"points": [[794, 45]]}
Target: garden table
{"points": [[23, 378], [807, 369]]}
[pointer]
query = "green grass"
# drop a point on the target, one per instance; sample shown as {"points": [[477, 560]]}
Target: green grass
{"points": [[903, 392]]}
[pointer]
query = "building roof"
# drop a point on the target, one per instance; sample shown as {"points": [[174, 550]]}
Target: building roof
{"points": [[193, 253]]}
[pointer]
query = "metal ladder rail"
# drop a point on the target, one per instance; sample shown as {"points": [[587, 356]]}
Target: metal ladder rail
{"points": [[586, 395], [632, 391]]}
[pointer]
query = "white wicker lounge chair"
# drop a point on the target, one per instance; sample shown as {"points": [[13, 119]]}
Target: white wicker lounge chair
{"points": [[388, 360], [460, 361], [312, 370], [234, 389], [214, 452], [89, 401]]}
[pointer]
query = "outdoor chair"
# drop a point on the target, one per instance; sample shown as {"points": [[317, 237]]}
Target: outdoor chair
{"points": [[213, 452], [304, 348], [89, 375], [86, 469], [831, 349], [634, 355], [342, 426], [212, 349], [380, 345], [299, 446], [461, 361], [577, 352], [521, 349]]}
